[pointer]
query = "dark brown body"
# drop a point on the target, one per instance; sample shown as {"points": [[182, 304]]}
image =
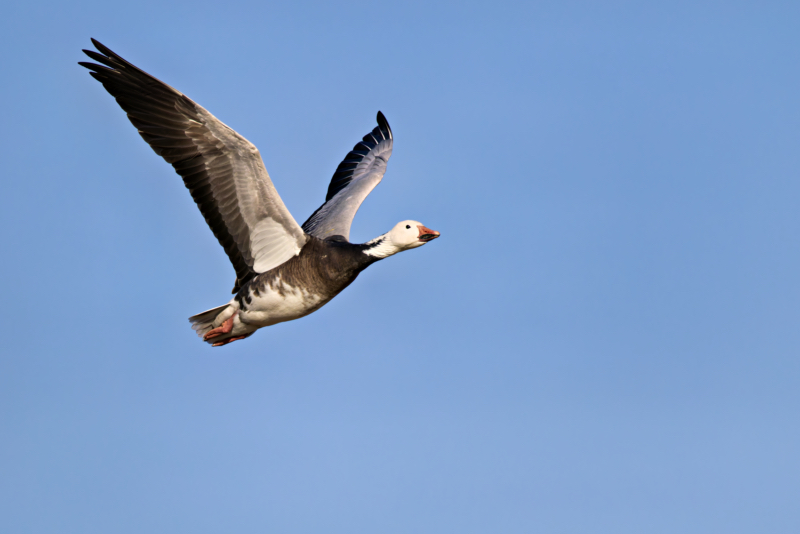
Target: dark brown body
{"points": [[322, 269]]}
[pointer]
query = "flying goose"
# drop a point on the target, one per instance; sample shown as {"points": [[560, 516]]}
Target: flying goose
{"points": [[284, 271]]}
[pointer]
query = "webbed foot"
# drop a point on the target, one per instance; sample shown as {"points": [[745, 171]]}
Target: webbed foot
{"points": [[224, 328], [229, 340]]}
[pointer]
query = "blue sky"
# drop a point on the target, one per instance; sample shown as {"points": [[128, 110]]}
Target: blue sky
{"points": [[603, 340]]}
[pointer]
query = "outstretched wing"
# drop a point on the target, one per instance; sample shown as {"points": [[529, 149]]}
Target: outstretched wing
{"points": [[222, 170], [354, 179]]}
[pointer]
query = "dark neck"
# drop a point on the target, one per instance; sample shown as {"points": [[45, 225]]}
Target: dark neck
{"points": [[357, 254]]}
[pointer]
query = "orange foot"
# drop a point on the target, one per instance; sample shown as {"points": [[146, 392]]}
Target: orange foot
{"points": [[229, 340], [224, 328]]}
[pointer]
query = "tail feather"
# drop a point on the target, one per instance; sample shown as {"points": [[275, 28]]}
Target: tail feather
{"points": [[205, 321]]}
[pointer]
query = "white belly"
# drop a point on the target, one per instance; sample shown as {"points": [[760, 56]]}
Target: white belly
{"points": [[279, 304]]}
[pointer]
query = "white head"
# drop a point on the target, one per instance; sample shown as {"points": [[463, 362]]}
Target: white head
{"points": [[404, 236]]}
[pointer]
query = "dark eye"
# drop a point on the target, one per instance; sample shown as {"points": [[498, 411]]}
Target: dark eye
{"points": [[408, 227]]}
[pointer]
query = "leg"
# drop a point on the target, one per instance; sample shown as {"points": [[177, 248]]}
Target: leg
{"points": [[224, 328], [230, 340]]}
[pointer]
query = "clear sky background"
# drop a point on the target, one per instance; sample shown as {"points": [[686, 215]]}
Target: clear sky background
{"points": [[604, 339]]}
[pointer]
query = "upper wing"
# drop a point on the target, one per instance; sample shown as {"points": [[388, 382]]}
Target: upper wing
{"points": [[353, 180], [223, 170]]}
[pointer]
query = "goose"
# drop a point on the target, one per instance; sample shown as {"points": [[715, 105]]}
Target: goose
{"points": [[284, 271]]}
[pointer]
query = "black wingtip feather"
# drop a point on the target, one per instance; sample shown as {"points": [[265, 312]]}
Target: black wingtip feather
{"points": [[100, 58], [381, 118], [103, 48], [93, 66], [383, 126]]}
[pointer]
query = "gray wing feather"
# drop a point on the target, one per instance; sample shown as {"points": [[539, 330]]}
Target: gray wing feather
{"points": [[223, 171], [270, 233], [358, 174]]}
